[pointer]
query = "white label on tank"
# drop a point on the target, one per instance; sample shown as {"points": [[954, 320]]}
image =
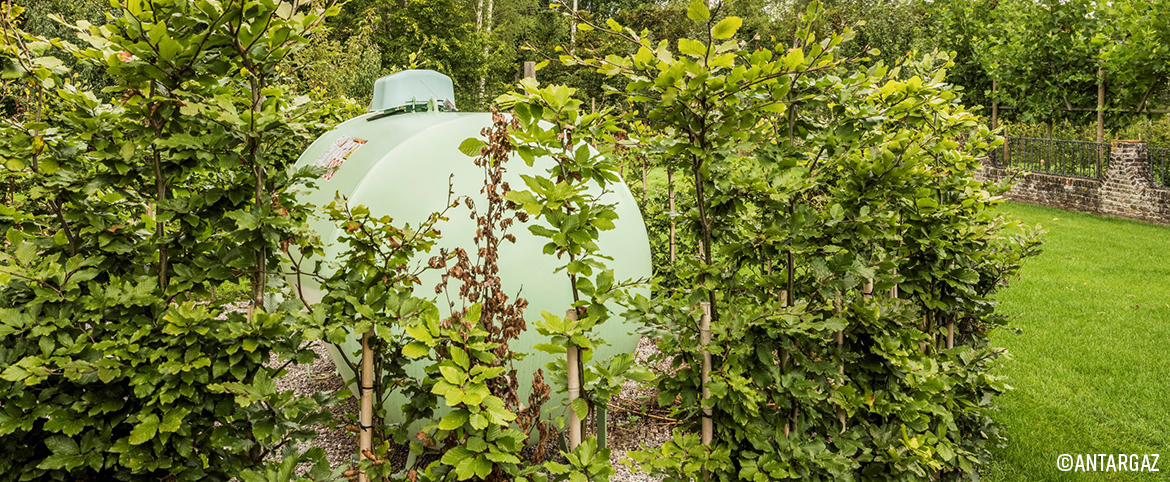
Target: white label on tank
{"points": [[336, 154]]}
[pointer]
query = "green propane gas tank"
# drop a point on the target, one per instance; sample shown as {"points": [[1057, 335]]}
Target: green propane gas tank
{"points": [[398, 160]]}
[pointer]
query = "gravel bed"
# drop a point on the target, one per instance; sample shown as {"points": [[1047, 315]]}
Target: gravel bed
{"points": [[624, 434]]}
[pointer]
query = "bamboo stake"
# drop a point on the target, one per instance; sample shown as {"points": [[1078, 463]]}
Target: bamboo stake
{"points": [[366, 389], [670, 200], [572, 355], [708, 428]]}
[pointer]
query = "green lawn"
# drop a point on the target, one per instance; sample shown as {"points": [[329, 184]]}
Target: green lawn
{"points": [[1091, 364]]}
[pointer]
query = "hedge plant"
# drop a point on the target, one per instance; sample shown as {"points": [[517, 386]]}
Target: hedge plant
{"points": [[138, 201], [838, 232]]}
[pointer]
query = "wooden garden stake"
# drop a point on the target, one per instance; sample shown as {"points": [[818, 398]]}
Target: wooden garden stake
{"points": [[1005, 146], [950, 335], [1100, 117], [572, 355], [708, 428], [366, 389], [922, 344], [1100, 110], [784, 362], [645, 174], [995, 107], [670, 200], [840, 338]]}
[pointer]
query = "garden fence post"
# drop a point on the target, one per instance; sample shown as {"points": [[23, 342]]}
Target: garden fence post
{"points": [[572, 355], [366, 389], [529, 69], [704, 340]]}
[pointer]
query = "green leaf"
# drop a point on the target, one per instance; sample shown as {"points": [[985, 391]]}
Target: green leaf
{"points": [[453, 375], [581, 408], [145, 430], [726, 28], [472, 147], [415, 350], [478, 421], [61, 445], [25, 252], [697, 10], [456, 455], [173, 420], [483, 466], [691, 47], [460, 357], [453, 420]]}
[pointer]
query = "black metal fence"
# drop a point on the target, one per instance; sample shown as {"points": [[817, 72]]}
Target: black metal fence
{"points": [[1054, 156], [1160, 166]]}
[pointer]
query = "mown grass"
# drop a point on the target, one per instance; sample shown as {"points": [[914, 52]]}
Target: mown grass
{"points": [[1091, 363]]}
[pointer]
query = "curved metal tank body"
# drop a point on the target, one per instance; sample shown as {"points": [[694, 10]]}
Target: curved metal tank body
{"points": [[402, 170]]}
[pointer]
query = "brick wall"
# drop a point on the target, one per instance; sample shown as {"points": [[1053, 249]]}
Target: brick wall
{"points": [[1125, 191]]}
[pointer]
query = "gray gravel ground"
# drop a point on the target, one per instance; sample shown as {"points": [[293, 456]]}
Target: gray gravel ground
{"points": [[625, 435], [321, 376], [628, 430]]}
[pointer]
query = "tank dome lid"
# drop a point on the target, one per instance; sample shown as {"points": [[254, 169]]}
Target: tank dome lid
{"points": [[410, 88]]}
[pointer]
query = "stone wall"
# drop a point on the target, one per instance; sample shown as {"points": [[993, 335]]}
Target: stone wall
{"points": [[1125, 191]]}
